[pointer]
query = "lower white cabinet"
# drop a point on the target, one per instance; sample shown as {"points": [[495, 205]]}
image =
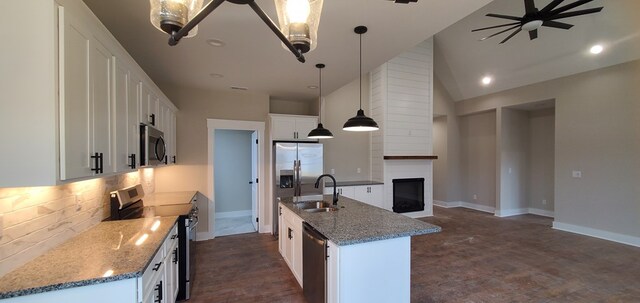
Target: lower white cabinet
{"points": [[369, 194], [159, 282], [290, 241]]}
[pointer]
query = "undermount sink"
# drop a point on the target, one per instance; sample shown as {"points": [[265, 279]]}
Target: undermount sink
{"points": [[313, 205], [321, 210]]}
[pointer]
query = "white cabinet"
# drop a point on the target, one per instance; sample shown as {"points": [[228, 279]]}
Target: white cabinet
{"points": [[370, 194], [85, 100], [69, 97], [290, 241], [159, 281], [290, 127], [125, 119]]}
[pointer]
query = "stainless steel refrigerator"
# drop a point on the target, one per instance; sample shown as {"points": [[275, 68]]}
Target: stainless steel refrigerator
{"points": [[296, 166]]}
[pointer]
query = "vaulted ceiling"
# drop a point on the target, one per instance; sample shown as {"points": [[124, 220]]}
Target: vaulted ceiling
{"points": [[253, 57], [462, 61]]}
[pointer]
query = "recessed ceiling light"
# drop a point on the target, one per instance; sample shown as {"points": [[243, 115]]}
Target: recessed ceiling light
{"points": [[216, 75], [596, 49], [216, 42], [312, 87], [487, 80], [239, 88]]}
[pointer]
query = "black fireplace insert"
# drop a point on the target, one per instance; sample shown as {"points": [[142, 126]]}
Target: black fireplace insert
{"points": [[408, 195]]}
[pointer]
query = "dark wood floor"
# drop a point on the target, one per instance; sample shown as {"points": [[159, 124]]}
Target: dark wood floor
{"points": [[477, 258]]}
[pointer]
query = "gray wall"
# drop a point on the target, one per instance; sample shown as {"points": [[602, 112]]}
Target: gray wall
{"points": [[514, 160], [347, 151], [447, 167], [541, 158], [478, 158], [440, 166], [232, 163], [597, 132], [195, 107], [289, 107]]}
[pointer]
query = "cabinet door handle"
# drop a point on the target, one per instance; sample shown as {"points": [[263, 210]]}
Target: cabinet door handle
{"points": [[132, 159], [174, 160], [98, 163], [290, 232], [175, 255], [158, 288], [153, 119], [280, 211], [157, 266]]}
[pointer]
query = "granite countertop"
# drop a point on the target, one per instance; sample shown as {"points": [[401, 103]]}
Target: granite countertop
{"points": [[356, 222], [353, 183], [178, 197], [104, 253]]}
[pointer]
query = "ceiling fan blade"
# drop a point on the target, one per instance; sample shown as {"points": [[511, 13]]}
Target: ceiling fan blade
{"points": [[576, 13], [496, 26], [530, 6], [569, 6], [557, 24], [500, 32], [511, 36], [551, 6], [533, 34], [505, 17]]}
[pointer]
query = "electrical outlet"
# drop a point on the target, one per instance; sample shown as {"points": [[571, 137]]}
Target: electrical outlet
{"points": [[576, 174], [475, 197], [544, 202], [333, 171], [358, 170]]}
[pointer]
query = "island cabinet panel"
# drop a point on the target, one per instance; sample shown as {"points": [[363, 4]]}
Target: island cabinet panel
{"points": [[369, 194], [376, 272], [290, 241]]}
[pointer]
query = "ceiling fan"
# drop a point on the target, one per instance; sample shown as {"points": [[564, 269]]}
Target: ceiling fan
{"points": [[533, 18]]}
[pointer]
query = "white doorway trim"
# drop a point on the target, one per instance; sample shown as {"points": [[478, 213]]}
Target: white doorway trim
{"points": [[259, 127]]}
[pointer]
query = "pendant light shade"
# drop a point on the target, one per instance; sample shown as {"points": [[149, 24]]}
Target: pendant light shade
{"points": [[320, 132], [170, 16], [299, 20], [360, 123]]}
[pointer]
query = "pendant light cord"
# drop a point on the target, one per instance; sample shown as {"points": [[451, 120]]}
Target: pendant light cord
{"points": [[320, 97], [361, 71]]}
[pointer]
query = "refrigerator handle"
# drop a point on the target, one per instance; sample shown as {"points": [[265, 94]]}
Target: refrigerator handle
{"points": [[295, 177], [299, 186]]}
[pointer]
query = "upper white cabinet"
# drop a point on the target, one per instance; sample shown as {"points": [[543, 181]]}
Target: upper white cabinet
{"points": [[291, 127], [73, 101]]}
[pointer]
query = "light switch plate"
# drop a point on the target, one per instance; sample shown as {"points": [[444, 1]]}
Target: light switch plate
{"points": [[333, 171]]}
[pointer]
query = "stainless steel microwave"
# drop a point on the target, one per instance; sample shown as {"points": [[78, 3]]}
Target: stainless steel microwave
{"points": [[153, 150]]}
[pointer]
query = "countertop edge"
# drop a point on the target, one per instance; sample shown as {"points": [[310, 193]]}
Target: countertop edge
{"points": [[388, 237]]}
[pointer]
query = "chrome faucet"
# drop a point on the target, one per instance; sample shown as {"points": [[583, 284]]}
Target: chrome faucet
{"points": [[335, 193]]}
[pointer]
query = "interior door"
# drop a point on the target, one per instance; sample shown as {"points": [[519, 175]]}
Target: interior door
{"points": [[254, 179]]}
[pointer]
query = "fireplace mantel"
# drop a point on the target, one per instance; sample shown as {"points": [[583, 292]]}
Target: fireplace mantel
{"points": [[410, 157]]}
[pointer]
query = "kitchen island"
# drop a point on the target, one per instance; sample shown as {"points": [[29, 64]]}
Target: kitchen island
{"points": [[369, 248]]}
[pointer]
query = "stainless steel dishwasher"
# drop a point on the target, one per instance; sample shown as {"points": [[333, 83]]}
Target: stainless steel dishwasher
{"points": [[314, 265]]}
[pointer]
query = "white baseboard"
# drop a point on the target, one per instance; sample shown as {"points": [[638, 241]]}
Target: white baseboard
{"points": [[542, 212], [597, 233], [204, 236], [234, 214], [452, 204], [511, 212]]}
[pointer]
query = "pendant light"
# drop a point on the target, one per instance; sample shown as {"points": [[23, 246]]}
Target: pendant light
{"points": [[320, 132], [298, 19], [360, 123]]}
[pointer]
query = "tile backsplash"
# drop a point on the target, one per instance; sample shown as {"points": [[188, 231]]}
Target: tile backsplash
{"points": [[34, 220]]}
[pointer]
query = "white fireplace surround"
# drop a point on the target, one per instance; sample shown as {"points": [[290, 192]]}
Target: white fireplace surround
{"points": [[403, 169], [401, 99]]}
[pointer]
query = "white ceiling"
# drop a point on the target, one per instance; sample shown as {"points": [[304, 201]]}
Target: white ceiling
{"points": [[462, 60], [253, 56]]}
